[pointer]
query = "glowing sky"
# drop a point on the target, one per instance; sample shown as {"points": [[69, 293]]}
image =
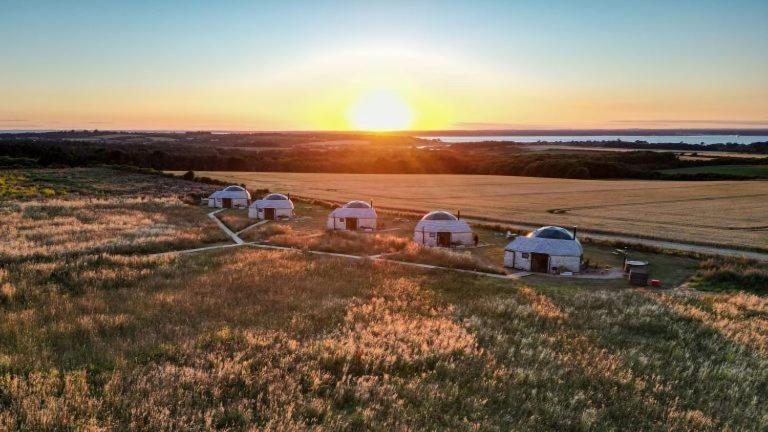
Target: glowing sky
{"points": [[288, 65]]}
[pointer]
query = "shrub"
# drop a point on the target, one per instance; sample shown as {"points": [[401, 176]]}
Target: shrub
{"points": [[719, 274]]}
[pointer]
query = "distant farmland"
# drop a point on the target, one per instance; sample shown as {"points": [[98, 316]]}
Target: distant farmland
{"points": [[744, 170], [732, 213]]}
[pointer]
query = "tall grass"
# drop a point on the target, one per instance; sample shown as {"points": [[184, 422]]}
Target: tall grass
{"points": [[244, 339], [720, 274], [443, 258], [329, 241], [60, 228], [232, 341]]}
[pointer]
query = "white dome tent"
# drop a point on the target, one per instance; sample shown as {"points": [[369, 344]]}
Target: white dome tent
{"points": [[441, 228], [353, 216], [274, 206], [549, 249], [230, 197]]}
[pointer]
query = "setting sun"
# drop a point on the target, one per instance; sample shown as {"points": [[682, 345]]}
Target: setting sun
{"points": [[381, 111]]}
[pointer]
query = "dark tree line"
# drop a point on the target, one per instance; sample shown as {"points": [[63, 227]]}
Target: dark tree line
{"points": [[399, 157]]}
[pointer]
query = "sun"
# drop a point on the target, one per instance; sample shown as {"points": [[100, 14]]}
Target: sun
{"points": [[381, 111]]}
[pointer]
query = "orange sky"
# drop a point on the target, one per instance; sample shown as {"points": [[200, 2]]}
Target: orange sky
{"points": [[413, 65]]}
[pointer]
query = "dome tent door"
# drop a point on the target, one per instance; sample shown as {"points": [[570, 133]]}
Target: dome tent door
{"points": [[351, 223], [269, 214], [226, 202], [539, 262], [444, 239]]}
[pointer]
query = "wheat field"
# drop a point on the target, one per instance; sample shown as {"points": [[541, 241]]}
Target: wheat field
{"points": [[731, 213]]}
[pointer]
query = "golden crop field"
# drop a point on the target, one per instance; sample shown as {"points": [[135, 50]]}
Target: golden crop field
{"points": [[731, 213]]}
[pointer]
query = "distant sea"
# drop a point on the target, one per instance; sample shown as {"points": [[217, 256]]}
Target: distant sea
{"points": [[652, 139]]}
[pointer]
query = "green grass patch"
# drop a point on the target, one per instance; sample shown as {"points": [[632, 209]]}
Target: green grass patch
{"points": [[721, 274], [740, 170]]}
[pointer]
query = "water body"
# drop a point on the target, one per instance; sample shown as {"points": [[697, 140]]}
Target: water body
{"points": [[652, 139]]}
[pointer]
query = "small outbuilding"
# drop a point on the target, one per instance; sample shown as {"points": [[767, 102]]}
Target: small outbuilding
{"points": [[441, 228], [274, 206], [549, 249], [230, 197], [353, 216]]}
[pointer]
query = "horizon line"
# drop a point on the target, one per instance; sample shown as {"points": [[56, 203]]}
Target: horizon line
{"points": [[427, 132]]}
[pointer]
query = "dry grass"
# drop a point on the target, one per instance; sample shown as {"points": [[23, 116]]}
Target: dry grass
{"points": [[77, 226], [99, 215], [444, 258], [246, 339], [328, 241], [216, 343], [722, 212], [235, 219]]}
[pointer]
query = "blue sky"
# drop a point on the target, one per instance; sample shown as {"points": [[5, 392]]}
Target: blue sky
{"points": [[278, 65]]}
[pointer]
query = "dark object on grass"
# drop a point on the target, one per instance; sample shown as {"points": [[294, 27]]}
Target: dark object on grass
{"points": [[638, 277]]}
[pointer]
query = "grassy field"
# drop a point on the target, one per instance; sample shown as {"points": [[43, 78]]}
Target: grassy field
{"points": [[745, 170], [719, 213], [98, 335]]}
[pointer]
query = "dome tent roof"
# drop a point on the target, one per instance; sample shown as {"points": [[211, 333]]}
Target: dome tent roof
{"points": [[439, 215], [442, 221], [276, 197], [549, 240], [552, 232], [357, 204], [273, 200], [233, 192], [355, 209]]}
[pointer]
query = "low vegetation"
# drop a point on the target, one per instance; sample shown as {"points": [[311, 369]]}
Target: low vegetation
{"points": [[443, 258], [756, 171], [333, 344], [102, 338], [17, 186], [721, 274], [329, 241], [235, 219]]}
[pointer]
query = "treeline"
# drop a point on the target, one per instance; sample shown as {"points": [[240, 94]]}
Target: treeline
{"points": [[398, 158], [753, 148]]}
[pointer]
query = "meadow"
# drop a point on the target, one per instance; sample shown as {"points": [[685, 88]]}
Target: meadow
{"points": [[104, 335], [729, 213]]}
